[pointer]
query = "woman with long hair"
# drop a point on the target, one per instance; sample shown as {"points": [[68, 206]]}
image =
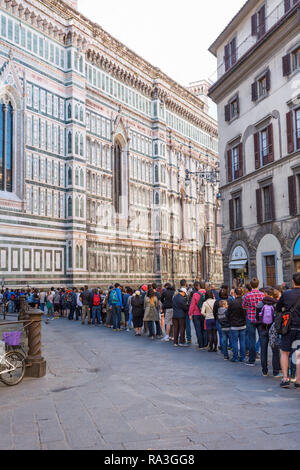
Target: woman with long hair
{"points": [[151, 306], [137, 305]]}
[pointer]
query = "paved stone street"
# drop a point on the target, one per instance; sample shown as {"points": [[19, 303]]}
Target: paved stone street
{"points": [[108, 390]]}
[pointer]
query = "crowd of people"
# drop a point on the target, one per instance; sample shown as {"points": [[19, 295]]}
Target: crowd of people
{"points": [[240, 323]]}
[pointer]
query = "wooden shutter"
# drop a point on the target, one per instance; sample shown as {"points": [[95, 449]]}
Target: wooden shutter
{"points": [[287, 5], [229, 165], [271, 144], [259, 206], [262, 25], [227, 58], [286, 65], [241, 161], [233, 51], [257, 151], [272, 202], [268, 80], [231, 214], [227, 113], [254, 25], [290, 131], [292, 195], [254, 91]]}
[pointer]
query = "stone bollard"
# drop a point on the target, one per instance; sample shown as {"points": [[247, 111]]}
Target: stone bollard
{"points": [[35, 363]]}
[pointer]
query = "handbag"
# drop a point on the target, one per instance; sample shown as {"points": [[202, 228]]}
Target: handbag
{"points": [[284, 319]]}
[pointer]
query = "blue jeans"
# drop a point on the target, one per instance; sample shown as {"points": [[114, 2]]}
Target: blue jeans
{"points": [[11, 306], [238, 336], [151, 329], [130, 320], [226, 337], [252, 344], [96, 312], [198, 321], [42, 307], [188, 329], [220, 335], [116, 317]]}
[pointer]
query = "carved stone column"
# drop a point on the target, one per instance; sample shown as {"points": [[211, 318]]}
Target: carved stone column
{"points": [[24, 309], [36, 364]]}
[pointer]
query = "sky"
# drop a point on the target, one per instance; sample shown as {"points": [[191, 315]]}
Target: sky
{"points": [[170, 34]]}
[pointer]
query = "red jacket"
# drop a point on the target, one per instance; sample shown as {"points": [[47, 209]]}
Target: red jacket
{"points": [[194, 310]]}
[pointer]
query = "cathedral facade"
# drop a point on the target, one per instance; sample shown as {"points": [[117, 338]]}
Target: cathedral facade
{"points": [[95, 144]]}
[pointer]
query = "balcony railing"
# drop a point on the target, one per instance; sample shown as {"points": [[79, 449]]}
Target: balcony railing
{"points": [[271, 19]]}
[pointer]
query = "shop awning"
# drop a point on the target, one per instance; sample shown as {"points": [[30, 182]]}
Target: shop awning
{"points": [[238, 264]]}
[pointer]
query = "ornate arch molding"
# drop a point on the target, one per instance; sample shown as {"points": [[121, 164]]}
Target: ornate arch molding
{"points": [[272, 229], [236, 238], [12, 91], [293, 235]]}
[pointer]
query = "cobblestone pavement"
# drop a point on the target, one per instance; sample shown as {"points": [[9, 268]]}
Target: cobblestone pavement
{"points": [[112, 391]]}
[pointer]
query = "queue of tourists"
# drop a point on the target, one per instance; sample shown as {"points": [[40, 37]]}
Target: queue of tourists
{"points": [[244, 324]]}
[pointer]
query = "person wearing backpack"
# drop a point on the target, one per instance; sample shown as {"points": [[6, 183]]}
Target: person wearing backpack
{"points": [[265, 317], [237, 320], [222, 317], [290, 303], [96, 308], [195, 314], [85, 298], [116, 304], [210, 323]]}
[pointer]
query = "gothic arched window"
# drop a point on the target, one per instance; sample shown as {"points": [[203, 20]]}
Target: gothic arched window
{"points": [[117, 176], [70, 207], [70, 142], [6, 147]]}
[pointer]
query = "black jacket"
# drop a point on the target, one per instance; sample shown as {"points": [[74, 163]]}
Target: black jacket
{"points": [[287, 301], [137, 304], [180, 307], [166, 298], [236, 314]]}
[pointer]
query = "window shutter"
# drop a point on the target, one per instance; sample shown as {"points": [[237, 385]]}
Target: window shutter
{"points": [[227, 113], [231, 214], [268, 80], [259, 206], [254, 91], [241, 161], [254, 25], [287, 5], [257, 151], [290, 131], [271, 144], [262, 26], [233, 51], [238, 104], [229, 164], [286, 65], [292, 195], [272, 202], [227, 58]]}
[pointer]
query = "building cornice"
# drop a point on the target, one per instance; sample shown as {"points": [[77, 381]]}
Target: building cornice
{"points": [[286, 26]]}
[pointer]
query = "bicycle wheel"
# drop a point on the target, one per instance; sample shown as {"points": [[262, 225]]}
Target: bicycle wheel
{"points": [[14, 377]]}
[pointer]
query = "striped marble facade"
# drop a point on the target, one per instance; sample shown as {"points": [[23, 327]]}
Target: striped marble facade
{"points": [[93, 163]]}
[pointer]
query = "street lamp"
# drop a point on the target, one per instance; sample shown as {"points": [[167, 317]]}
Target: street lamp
{"points": [[210, 176]]}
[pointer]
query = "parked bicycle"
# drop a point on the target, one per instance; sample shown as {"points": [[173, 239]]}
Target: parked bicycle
{"points": [[12, 362]]}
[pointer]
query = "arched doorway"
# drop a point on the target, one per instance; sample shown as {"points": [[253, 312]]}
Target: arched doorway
{"points": [[239, 266], [296, 256]]}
